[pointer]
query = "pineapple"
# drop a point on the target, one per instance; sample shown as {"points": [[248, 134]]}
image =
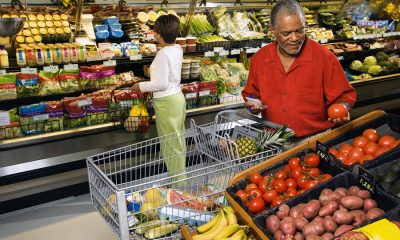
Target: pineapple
{"points": [[246, 146], [276, 137]]}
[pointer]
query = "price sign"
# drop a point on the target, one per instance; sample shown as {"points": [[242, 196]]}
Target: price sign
{"points": [[224, 53], [3, 71], [110, 63], [204, 93], [340, 58], [29, 70], [136, 57], [218, 49], [249, 50], [256, 49], [51, 69], [322, 152], [209, 54], [4, 119], [40, 117], [323, 40], [71, 67], [365, 178], [85, 102], [190, 95], [235, 51]]}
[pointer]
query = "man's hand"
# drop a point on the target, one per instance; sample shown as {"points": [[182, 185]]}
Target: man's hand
{"points": [[253, 109], [135, 87], [341, 121]]}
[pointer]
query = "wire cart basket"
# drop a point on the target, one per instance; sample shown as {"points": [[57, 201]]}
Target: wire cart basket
{"points": [[135, 193], [217, 139]]}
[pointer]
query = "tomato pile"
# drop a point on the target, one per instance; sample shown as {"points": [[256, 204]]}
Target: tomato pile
{"points": [[364, 148], [295, 178]]}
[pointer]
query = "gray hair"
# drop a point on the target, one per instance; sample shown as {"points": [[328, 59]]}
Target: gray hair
{"points": [[289, 7]]}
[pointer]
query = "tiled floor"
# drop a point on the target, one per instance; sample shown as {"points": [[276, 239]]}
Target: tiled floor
{"points": [[69, 219]]}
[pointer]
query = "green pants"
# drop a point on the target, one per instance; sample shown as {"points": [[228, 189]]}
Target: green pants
{"points": [[170, 114]]}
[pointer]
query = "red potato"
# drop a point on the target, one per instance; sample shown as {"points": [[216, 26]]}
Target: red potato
{"points": [[313, 237], [327, 236], [329, 224], [323, 197], [359, 217], [318, 220], [288, 227], [298, 236], [288, 237], [353, 191], [313, 229], [296, 210], [311, 209], [369, 204], [300, 222], [343, 217], [273, 224], [342, 191], [329, 208], [283, 211], [374, 213], [352, 202], [278, 235], [334, 196], [341, 229], [364, 194]]}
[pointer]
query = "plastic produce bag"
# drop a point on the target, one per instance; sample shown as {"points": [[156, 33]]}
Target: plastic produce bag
{"points": [[49, 83], [191, 93], [74, 112], [13, 130], [32, 118], [55, 112], [69, 80], [207, 74], [107, 77], [97, 111], [8, 88], [27, 85], [89, 77], [207, 94]]}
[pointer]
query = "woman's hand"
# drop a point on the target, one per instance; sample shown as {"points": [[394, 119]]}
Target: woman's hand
{"points": [[135, 87]]}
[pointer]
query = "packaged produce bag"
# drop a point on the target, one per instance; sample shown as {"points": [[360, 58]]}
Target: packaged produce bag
{"points": [[55, 112], [27, 85], [89, 77], [49, 83], [97, 111], [207, 94], [32, 118], [74, 111], [8, 88], [11, 130], [191, 93], [107, 77], [69, 80]]}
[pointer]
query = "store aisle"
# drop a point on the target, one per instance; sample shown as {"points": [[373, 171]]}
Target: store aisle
{"points": [[69, 219]]}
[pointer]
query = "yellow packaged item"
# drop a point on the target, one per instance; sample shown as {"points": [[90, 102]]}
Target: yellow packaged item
{"points": [[37, 38], [41, 24], [21, 59], [43, 31], [26, 33], [5, 16], [57, 24], [64, 17], [49, 24], [20, 39], [32, 24], [14, 16], [29, 40], [32, 17], [35, 31], [48, 17], [56, 17], [65, 23], [26, 25], [40, 17], [379, 230]]}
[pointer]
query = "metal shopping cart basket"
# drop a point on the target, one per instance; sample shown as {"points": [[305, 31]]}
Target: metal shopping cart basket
{"points": [[218, 139], [139, 199]]}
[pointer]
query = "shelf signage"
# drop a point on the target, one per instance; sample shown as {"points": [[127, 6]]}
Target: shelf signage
{"points": [[71, 67], [340, 58], [4, 119], [224, 53], [41, 117], [391, 34], [29, 70], [209, 54], [235, 51], [85, 102], [204, 93], [218, 49], [110, 63], [51, 68], [2, 71], [135, 57], [190, 95], [323, 40]]}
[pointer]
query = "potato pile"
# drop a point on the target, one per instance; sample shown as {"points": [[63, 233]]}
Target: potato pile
{"points": [[335, 212]]}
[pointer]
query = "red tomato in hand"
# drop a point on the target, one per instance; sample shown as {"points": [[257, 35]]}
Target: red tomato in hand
{"points": [[255, 178], [371, 135], [281, 174], [294, 163], [311, 160], [268, 196], [337, 110], [242, 195], [280, 186], [370, 148], [256, 205], [291, 183], [359, 141], [255, 193], [249, 187], [386, 141]]}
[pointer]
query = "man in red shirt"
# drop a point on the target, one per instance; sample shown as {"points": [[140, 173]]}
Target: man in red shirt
{"points": [[295, 77]]}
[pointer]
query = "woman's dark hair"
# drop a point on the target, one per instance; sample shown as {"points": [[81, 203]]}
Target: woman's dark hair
{"points": [[168, 27]]}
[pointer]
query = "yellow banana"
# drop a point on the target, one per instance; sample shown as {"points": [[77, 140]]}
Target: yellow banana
{"points": [[217, 228], [230, 215], [237, 236], [207, 226], [244, 237], [228, 231]]}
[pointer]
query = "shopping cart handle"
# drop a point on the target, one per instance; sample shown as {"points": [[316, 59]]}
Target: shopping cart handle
{"points": [[246, 114]]}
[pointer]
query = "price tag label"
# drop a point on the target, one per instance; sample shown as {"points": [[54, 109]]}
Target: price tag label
{"points": [[387, 34], [204, 93], [4, 119], [136, 57], [71, 67], [340, 58], [85, 102], [40, 117], [224, 53], [190, 95], [322, 151], [110, 63], [218, 49], [51, 69], [323, 40], [29, 70], [3, 71], [235, 51], [209, 54], [365, 178], [256, 49], [249, 50]]}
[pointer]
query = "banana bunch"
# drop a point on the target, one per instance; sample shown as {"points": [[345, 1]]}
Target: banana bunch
{"points": [[139, 110], [224, 226], [156, 228]]}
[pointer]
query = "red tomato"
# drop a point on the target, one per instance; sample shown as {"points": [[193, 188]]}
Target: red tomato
{"points": [[255, 193], [395, 144], [280, 186], [281, 174], [311, 160], [300, 191], [337, 110], [287, 170], [291, 183], [371, 135], [276, 201], [256, 205], [242, 195], [255, 178], [325, 177], [381, 151], [291, 192], [294, 163], [365, 158], [359, 141], [333, 151], [386, 141], [302, 183], [345, 148], [268, 196], [262, 185], [297, 173], [370, 148], [311, 184], [356, 153], [249, 187], [341, 157], [350, 161], [315, 172]]}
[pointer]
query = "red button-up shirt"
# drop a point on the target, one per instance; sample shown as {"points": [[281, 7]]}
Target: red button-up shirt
{"points": [[299, 97]]}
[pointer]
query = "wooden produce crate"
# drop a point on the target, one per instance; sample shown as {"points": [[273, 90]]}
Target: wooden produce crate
{"points": [[242, 214]]}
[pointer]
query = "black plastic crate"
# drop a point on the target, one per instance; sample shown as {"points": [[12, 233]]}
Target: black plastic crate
{"points": [[388, 124], [383, 169], [385, 201], [249, 43], [209, 46], [325, 167]]}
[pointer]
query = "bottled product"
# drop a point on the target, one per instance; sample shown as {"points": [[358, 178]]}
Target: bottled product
{"points": [[3, 57], [21, 59]]}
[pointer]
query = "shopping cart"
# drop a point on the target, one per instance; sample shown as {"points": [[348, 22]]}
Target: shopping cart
{"points": [[217, 139], [131, 186]]}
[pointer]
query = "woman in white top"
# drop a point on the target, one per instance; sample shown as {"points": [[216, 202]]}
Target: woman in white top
{"points": [[169, 101]]}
